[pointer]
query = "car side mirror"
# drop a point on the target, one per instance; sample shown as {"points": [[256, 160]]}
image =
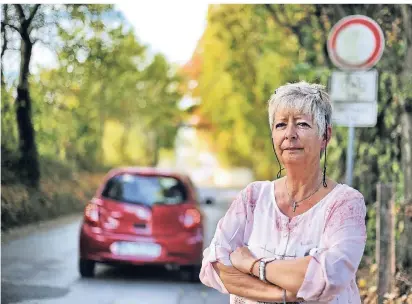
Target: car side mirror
{"points": [[209, 201]]}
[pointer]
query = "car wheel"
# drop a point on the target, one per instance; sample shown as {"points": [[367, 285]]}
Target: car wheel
{"points": [[86, 268], [190, 273]]}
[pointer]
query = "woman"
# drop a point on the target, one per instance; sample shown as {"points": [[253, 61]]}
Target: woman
{"points": [[297, 238]]}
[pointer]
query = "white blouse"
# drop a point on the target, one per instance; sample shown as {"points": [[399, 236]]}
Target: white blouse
{"points": [[334, 228]]}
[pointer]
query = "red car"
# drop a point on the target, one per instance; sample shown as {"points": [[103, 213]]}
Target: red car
{"points": [[143, 216]]}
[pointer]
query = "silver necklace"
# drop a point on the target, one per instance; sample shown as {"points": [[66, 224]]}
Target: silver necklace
{"points": [[296, 203]]}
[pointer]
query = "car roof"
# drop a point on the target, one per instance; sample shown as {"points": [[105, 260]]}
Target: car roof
{"points": [[144, 171], [147, 171]]}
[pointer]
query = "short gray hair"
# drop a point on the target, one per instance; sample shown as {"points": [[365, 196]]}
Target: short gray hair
{"points": [[305, 98]]}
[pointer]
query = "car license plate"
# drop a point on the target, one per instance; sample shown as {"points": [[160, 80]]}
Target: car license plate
{"points": [[137, 249]]}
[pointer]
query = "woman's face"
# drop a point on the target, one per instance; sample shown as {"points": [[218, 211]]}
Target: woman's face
{"points": [[296, 138]]}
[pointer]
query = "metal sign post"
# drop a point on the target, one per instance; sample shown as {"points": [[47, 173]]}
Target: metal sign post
{"points": [[355, 44], [349, 153]]}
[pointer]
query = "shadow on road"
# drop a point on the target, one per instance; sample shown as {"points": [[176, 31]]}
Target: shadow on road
{"points": [[14, 293], [149, 273]]}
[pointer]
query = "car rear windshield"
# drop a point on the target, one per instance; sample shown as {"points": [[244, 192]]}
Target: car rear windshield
{"points": [[146, 190]]}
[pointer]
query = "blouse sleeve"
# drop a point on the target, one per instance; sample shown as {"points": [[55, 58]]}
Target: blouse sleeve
{"points": [[228, 236], [331, 270]]}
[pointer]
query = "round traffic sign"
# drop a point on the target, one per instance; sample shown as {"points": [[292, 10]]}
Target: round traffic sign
{"points": [[355, 43]]}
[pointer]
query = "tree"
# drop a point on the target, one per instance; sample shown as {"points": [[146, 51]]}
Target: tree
{"points": [[249, 50], [32, 23], [104, 76], [396, 79], [405, 258], [162, 115], [128, 86], [27, 145], [235, 81]]}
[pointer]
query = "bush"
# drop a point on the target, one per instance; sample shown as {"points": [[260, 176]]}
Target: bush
{"points": [[63, 190]]}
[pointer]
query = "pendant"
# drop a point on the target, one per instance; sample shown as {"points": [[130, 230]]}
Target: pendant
{"points": [[294, 206]]}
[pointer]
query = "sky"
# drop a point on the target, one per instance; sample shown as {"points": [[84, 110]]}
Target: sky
{"points": [[172, 28]]}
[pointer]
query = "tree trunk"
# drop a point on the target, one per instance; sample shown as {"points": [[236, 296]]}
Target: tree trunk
{"points": [[4, 46], [156, 148], [405, 248], [385, 240], [29, 162]]}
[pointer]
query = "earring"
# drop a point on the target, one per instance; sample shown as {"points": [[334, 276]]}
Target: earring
{"points": [[324, 160], [279, 174], [324, 171]]}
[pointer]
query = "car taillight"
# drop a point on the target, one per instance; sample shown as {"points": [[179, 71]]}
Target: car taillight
{"points": [[191, 218], [91, 213]]}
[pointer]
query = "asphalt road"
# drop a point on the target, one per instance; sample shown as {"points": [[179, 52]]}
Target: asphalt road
{"points": [[40, 266]]}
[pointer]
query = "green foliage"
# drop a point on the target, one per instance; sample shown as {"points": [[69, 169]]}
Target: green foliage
{"points": [[107, 102], [8, 121], [370, 248], [243, 54], [104, 74], [249, 50]]}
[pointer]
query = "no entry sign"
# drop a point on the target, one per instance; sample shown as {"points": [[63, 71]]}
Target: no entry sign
{"points": [[356, 43]]}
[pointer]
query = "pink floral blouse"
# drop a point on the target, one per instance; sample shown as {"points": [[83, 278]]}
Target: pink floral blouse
{"points": [[334, 228]]}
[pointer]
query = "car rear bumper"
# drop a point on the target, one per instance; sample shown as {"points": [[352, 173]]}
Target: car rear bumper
{"points": [[184, 248]]}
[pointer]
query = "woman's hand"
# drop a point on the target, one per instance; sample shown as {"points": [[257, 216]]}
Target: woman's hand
{"points": [[242, 259]]}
